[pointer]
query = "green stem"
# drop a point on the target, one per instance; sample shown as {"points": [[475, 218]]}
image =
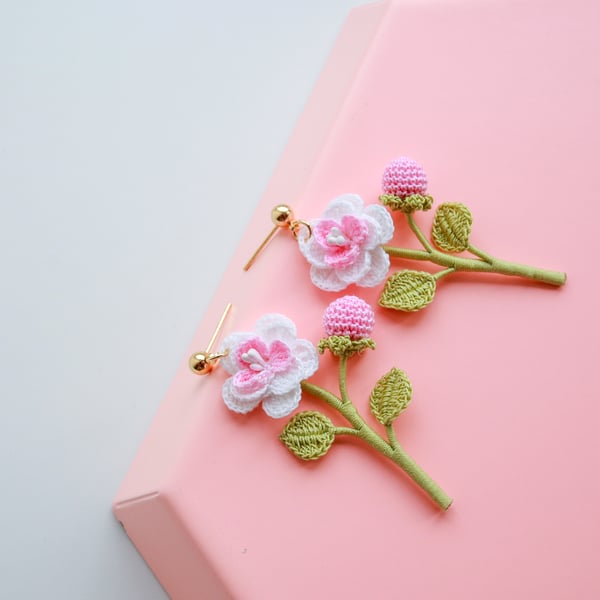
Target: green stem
{"points": [[408, 253], [368, 435], [460, 263], [420, 235], [443, 273], [391, 433], [346, 431], [481, 254], [342, 379]]}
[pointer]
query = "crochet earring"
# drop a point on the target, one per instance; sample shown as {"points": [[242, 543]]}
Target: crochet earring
{"points": [[344, 246], [202, 363], [271, 366], [348, 244], [404, 186]]}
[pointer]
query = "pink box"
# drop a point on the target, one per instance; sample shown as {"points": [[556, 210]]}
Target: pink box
{"points": [[499, 101]]}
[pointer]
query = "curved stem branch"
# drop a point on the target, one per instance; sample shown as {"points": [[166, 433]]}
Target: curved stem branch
{"points": [[342, 379], [392, 436], [481, 254], [368, 435], [478, 265], [407, 253], [443, 273], [417, 231], [346, 431], [322, 394]]}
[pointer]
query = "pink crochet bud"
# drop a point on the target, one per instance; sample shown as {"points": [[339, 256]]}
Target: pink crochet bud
{"points": [[349, 316], [403, 177]]}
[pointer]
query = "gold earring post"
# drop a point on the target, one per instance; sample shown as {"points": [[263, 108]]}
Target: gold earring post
{"points": [[283, 217], [261, 247], [202, 363], [213, 339]]}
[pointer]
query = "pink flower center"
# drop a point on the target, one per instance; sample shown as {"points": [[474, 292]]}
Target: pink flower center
{"points": [[260, 363], [341, 241]]}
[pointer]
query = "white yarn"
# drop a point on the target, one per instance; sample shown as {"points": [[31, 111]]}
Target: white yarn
{"points": [[275, 384], [371, 264]]}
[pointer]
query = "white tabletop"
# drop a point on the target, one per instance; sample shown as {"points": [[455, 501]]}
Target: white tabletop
{"points": [[123, 128]]}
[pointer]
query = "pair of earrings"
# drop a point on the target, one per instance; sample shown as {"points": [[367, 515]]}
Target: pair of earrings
{"points": [[272, 366], [349, 243]]}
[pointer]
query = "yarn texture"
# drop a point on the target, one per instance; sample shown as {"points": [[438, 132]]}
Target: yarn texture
{"points": [[406, 204], [349, 316], [404, 185], [342, 345], [390, 396], [403, 177], [345, 247], [271, 366], [267, 366], [310, 435], [452, 227], [408, 291]]}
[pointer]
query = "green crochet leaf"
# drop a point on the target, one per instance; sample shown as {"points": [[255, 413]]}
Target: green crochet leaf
{"points": [[390, 396], [308, 435], [452, 227], [408, 291]]}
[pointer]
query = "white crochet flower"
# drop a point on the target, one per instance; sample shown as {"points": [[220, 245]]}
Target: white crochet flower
{"points": [[345, 245], [267, 366]]}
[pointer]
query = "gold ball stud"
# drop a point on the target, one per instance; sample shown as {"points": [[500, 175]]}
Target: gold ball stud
{"points": [[282, 215], [201, 363]]}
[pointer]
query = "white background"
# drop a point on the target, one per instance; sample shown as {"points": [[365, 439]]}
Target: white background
{"points": [[135, 140]]}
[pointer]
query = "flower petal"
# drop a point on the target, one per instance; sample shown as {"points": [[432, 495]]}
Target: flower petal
{"points": [[327, 279], [312, 251], [347, 204], [380, 265], [355, 229], [308, 358], [230, 344], [274, 326], [254, 343], [374, 238], [384, 220], [357, 270], [305, 364], [280, 357], [249, 384], [282, 383], [236, 403], [343, 256], [321, 230], [281, 405]]}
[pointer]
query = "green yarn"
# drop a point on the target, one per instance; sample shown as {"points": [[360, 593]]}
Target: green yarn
{"points": [[308, 435], [408, 291], [390, 448], [390, 396], [452, 227], [413, 290], [342, 345], [406, 204]]}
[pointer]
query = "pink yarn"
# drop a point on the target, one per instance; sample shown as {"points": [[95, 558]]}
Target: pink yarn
{"points": [[403, 177], [349, 316]]}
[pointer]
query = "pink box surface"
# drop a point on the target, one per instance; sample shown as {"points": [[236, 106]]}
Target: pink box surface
{"points": [[499, 101]]}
